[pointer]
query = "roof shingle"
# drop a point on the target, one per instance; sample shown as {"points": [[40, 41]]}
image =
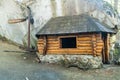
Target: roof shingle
{"points": [[73, 24]]}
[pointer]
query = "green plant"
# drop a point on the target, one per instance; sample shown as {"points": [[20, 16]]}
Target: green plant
{"points": [[116, 53]]}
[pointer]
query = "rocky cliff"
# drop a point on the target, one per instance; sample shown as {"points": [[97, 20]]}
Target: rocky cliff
{"points": [[43, 10]]}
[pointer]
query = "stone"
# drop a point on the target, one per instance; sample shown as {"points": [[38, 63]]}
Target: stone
{"points": [[80, 61]]}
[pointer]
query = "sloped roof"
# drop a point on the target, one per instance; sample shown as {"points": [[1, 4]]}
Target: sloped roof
{"points": [[73, 24]]}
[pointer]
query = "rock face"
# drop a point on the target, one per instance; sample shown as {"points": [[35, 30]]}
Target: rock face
{"points": [[119, 61], [10, 10], [80, 61], [43, 10]]}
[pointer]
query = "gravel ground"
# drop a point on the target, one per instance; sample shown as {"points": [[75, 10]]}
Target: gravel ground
{"points": [[15, 64]]}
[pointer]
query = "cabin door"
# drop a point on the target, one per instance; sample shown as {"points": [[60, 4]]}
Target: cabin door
{"points": [[105, 52]]}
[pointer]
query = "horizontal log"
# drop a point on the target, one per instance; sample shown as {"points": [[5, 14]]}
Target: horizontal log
{"points": [[98, 38], [49, 48], [53, 42], [53, 39], [40, 42], [80, 48], [61, 53], [70, 51], [51, 45], [94, 39], [85, 48], [98, 54], [99, 41], [40, 45], [94, 48], [84, 39], [87, 35], [99, 47], [53, 48], [84, 45], [80, 40], [79, 36], [49, 42], [99, 44], [99, 51], [84, 42]]}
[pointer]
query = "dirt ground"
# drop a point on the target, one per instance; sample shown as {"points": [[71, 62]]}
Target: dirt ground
{"points": [[15, 64]]}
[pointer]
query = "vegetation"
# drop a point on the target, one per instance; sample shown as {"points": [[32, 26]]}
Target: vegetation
{"points": [[117, 53]]}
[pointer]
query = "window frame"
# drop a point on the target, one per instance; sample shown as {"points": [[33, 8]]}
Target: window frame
{"points": [[60, 45]]}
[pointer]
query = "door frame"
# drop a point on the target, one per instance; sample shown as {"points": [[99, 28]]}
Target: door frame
{"points": [[106, 48]]}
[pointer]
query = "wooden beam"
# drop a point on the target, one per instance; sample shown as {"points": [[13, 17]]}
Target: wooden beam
{"points": [[45, 45], [12, 21], [93, 41], [107, 47]]}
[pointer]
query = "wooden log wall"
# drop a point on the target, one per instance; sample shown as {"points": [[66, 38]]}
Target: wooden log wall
{"points": [[88, 44]]}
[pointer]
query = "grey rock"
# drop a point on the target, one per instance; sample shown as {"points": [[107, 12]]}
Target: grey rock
{"points": [[80, 61]]}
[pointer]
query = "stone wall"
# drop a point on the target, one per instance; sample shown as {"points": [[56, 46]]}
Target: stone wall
{"points": [[80, 61]]}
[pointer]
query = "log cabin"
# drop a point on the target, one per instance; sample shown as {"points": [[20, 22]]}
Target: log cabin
{"points": [[75, 35]]}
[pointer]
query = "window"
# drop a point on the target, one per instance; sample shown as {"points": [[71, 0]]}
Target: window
{"points": [[69, 42]]}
